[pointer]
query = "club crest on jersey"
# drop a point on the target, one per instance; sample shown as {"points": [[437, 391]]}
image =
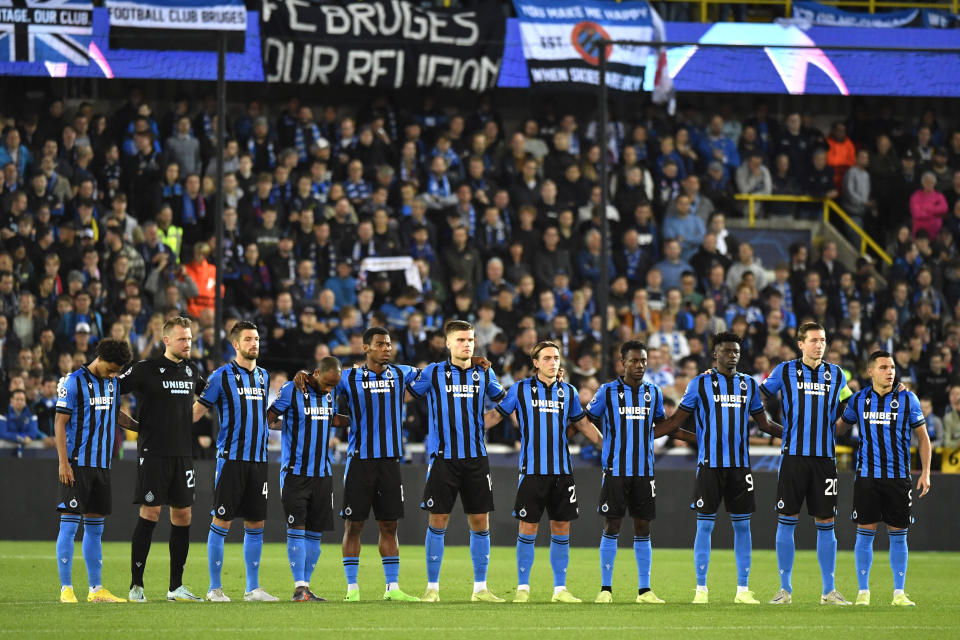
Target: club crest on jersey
{"points": [[149, 496], [647, 397], [110, 387], [290, 518], [826, 375], [73, 503], [328, 398], [894, 404], [523, 512], [476, 376], [560, 393], [780, 504], [743, 385], [188, 371], [221, 510], [162, 369], [259, 377], [388, 374]]}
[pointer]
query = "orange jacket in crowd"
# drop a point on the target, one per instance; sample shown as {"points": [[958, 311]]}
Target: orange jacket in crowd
{"points": [[841, 156], [205, 275]]}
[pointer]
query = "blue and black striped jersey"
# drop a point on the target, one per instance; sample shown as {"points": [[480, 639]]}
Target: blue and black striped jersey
{"points": [[93, 405], [722, 407], [627, 415], [810, 405], [455, 399], [376, 409], [886, 423], [240, 396], [543, 412], [306, 429]]}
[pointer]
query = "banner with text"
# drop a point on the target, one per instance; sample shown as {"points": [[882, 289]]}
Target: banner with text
{"points": [[381, 43], [181, 25], [57, 32], [561, 41]]}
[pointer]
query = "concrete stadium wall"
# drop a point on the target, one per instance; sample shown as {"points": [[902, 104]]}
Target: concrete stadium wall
{"points": [[30, 498]]}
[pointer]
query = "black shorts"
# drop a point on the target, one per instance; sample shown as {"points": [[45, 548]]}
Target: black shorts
{"points": [[372, 483], [165, 480], [809, 478], [90, 492], [618, 493], [557, 494], [883, 499], [240, 490], [470, 477], [307, 501], [733, 486]]}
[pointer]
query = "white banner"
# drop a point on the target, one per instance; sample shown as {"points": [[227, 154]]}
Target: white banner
{"points": [[227, 17]]}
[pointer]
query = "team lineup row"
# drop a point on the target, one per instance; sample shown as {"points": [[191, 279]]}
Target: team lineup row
{"points": [[623, 419]]}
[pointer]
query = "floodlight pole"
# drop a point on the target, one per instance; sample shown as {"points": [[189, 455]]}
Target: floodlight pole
{"points": [[218, 207]]}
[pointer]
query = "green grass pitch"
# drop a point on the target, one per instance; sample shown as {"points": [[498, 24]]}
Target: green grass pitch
{"points": [[29, 590]]}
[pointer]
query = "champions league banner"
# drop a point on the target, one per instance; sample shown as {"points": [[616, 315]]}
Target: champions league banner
{"points": [[381, 43], [560, 41], [181, 25]]}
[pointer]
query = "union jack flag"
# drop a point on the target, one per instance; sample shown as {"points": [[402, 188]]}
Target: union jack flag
{"points": [[53, 31]]}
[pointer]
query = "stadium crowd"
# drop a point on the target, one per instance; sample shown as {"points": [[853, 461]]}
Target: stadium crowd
{"points": [[107, 228]]}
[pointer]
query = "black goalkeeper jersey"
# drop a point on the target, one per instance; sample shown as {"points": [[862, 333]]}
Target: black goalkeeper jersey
{"points": [[165, 392]]}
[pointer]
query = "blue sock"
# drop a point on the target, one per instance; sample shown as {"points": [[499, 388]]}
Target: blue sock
{"points": [[215, 554], [480, 552], [92, 549], [863, 556], [312, 540], [559, 559], [898, 557], [297, 553], [827, 554], [785, 550], [742, 546], [351, 567], [69, 523], [391, 568], [434, 549], [524, 558], [701, 546], [608, 554], [644, 554], [252, 550]]}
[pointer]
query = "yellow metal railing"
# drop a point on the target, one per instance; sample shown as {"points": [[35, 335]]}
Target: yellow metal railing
{"points": [[870, 5], [829, 207]]}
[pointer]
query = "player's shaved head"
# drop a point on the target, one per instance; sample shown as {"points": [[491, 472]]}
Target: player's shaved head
{"points": [[328, 364]]}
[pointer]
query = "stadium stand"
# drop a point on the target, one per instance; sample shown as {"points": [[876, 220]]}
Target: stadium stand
{"points": [[106, 221]]}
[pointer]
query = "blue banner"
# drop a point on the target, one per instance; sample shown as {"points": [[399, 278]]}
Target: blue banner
{"points": [[781, 70], [108, 62], [825, 15], [560, 41]]}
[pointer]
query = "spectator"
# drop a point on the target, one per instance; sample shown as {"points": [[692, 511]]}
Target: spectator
{"points": [[20, 426], [927, 206], [746, 263], [683, 226], [841, 154], [754, 179], [673, 266]]}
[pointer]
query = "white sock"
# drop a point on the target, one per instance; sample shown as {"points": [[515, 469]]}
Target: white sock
{"points": [[66, 586], [392, 586], [897, 592], [433, 585], [742, 589], [94, 589], [557, 590], [352, 586], [479, 586], [301, 583], [702, 587], [863, 591], [523, 587]]}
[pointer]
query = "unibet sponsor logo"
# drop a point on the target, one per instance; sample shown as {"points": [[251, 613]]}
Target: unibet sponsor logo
{"points": [[635, 413]]}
